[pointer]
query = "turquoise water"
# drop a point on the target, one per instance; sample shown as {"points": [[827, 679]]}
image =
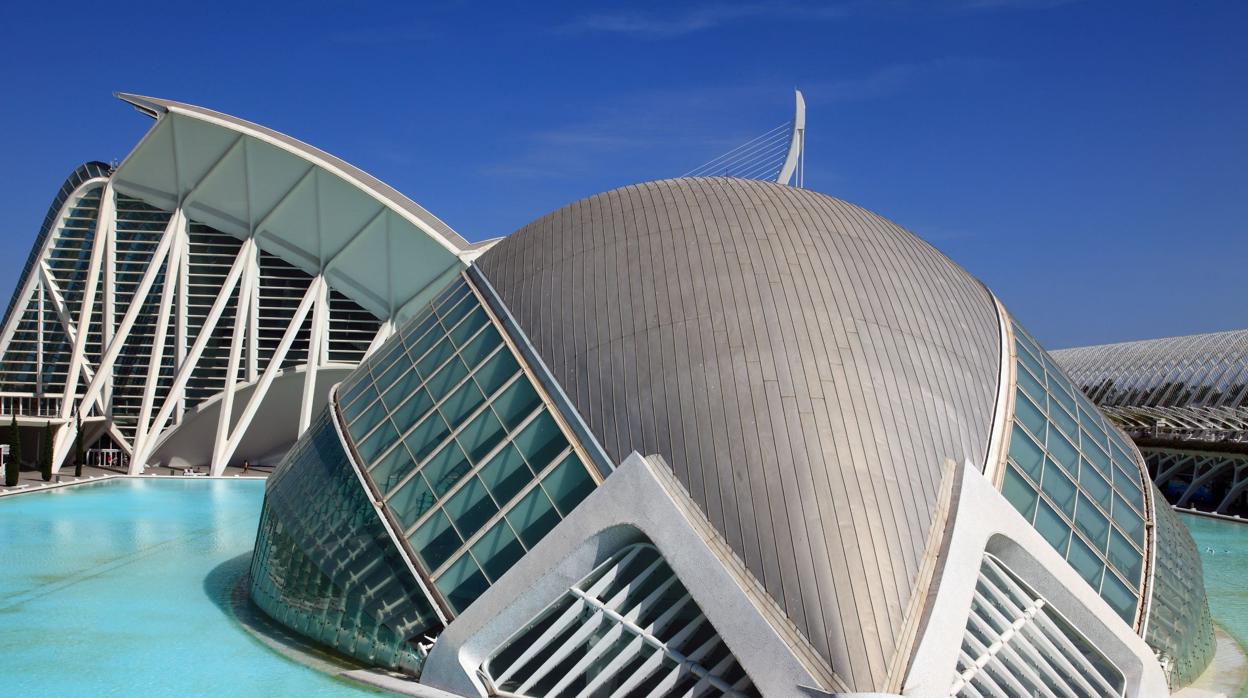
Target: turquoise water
{"points": [[120, 588], [1223, 549]]}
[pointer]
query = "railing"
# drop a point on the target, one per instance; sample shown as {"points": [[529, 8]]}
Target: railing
{"points": [[30, 406]]}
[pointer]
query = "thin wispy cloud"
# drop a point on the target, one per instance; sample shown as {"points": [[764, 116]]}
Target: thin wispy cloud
{"points": [[667, 128], [664, 24]]}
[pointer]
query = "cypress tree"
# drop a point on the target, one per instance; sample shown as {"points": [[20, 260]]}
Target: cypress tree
{"points": [[78, 447], [45, 454], [14, 467]]}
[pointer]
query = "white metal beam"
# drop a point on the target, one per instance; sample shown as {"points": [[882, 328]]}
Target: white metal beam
{"points": [[316, 344], [315, 289], [192, 359], [157, 356], [242, 310]]}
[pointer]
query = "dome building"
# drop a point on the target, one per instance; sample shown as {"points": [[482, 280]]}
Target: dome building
{"points": [[714, 435]]}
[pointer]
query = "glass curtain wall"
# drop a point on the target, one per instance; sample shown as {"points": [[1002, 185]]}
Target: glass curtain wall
{"points": [[325, 566], [1073, 477], [466, 456], [1179, 625]]}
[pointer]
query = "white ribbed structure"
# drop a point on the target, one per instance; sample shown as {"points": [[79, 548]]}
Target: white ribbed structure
{"points": [[629, 628], [1017, 645]]}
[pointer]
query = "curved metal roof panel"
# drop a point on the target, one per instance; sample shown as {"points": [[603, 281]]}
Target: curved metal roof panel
{"points": [[306, 206], [805, 366]]}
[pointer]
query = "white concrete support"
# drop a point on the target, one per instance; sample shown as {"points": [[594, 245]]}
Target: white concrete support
{"points": [[317, 341], [105, 225], [266, 379], [132, 313], [383, 333], [639, 501], [181, 331], [242, 312], [157, 356], [253, 319], [985, 522], [39, 343], [184, 372]]}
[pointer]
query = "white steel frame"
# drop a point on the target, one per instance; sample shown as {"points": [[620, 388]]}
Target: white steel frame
{"points": [[220, 171]]}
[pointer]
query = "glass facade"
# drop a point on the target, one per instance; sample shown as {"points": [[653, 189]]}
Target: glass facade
{"points": [[1179, 627], [325, 566], [470, 463], [1074, 478]]}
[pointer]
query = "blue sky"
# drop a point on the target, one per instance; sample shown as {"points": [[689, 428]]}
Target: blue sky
{"points": [[1088, 160]]}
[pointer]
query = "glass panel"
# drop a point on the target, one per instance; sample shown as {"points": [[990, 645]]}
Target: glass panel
{"points": [[516, 402], [541, 441], [432, 360], [446, 468], [470, 507], [1119, 597], [1093, 523], [411, 501], [421, 346], [1029, 414], [426, 437], [466, 329], [568, 484], [409, 412], [367, 421], [481, 436], [445, 380], [497, 550], [461, 403], [1028, 383], [1128, 520], [435, 541], [403, 387], [453, 314], [399, 368], [1086, 563], [1065, 421], [1125, 557], [1019, 493], [533, 516], [1064, 452], [1060, 488], [1096, 454], [1092, 422], [418, 328], [506, 474], [1027, 358], [391, 468], [1053, 527], [1129, 486], [377, 442], [481, 346], [495, 372], [462, 583], [1094, 485]]}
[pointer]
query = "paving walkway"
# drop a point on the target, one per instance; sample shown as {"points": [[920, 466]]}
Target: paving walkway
{"points": [[32, 480]]}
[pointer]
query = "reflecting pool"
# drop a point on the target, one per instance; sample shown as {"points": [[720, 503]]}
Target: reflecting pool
{"points": [[120, 588], [1223, 549]]}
